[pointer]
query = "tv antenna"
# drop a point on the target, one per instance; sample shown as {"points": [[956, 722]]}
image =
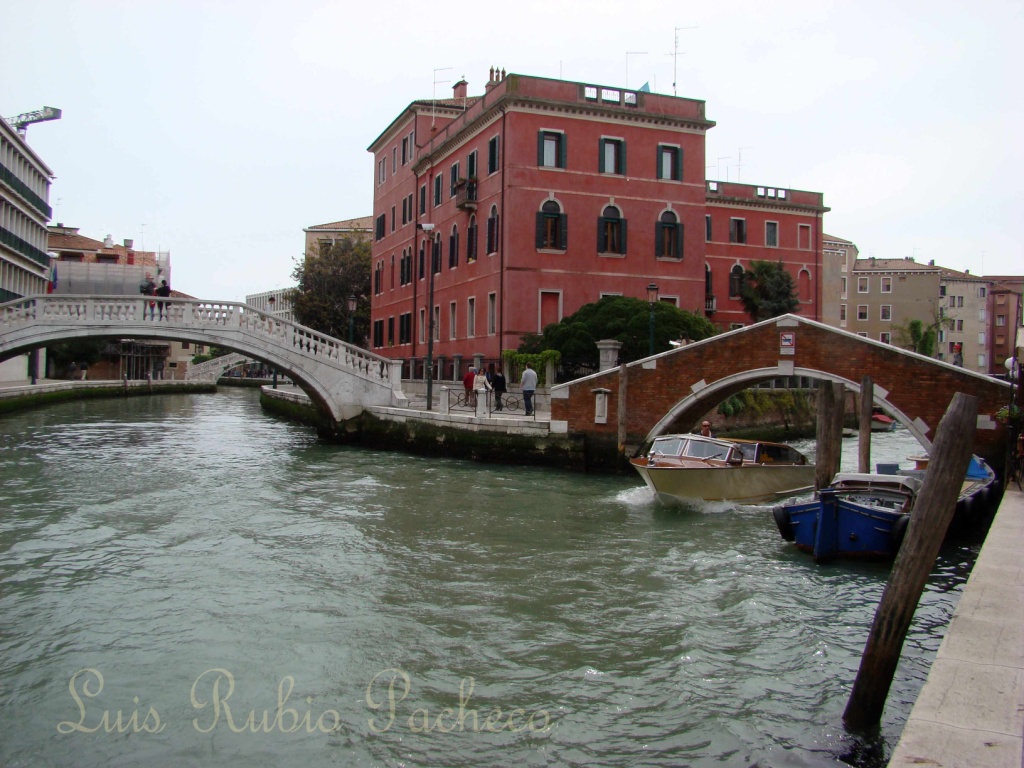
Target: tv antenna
{"points": [[675, 59], [739, 163], [433, 95]]}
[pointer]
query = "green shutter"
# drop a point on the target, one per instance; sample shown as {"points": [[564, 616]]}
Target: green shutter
{"points": [[600, 155], [622, 229], [563, 231], [622, 146], [679, 241], [540, 230], [658, 246], [540, 148], [657, 164], [563, 152], [679, 164], [602, 245]]}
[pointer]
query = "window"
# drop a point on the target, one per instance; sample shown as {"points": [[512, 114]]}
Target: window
{"points": [[492, 230], [435, 260], [437, 322], [471, 165], [611, 231], [842, 314], [942, 290], [405, 150], [803, 237], [670, 163], [736, 282], [405, 328], [393, 218], [708, 292], [981, 337], [391, 331], [380, 227], [437, 190], [611, 156], [668, 239], [552, 227], [492, 314], [737, 230], [886, 285], [423, 272], [862, 285], [1000, 320], [551, 149], [492, 155], [952, 301], [707, 227], [981, 292], [378, 333], [959, 301], [382, 171], [453, 248], [885, 337], [771, 234], [423, 199], [453, 179], [471, 317], [423, 325], [451, 320], [842, 287], [471, 240], [981, 314], [886, 312], [960, 326], [394, 159], [862, 311]]}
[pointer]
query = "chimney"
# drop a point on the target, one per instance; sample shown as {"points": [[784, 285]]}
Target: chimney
{"points": [[108, 242], [460, 89], [931, 262], [496, 76], [129, 244]]}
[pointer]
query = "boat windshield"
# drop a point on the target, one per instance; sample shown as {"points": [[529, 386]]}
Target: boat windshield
{"points": [[699, 449], [667, 446]]}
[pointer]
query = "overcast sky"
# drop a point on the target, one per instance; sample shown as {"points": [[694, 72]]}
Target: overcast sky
{"points": [[217, 130]]}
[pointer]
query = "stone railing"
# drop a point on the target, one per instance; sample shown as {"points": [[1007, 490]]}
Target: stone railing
{"points": [[221, 320], [213, 369]]}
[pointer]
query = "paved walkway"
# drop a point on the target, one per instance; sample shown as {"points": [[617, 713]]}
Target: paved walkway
{"points": [[970, 713]]}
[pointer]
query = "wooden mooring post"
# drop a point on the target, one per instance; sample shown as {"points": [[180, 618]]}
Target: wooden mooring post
{"points": [[867, 402], [829, 432], [933, 511]]}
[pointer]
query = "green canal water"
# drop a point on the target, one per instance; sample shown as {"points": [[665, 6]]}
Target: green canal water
{"points": [[187, 581]]}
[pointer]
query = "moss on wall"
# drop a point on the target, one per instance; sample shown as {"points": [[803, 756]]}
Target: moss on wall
{"points": [[43, 398]]}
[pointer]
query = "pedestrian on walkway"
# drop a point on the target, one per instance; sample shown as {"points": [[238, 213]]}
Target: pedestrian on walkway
{"points": [[467, 384], [480, 382], [499, 386], [528, 384]]}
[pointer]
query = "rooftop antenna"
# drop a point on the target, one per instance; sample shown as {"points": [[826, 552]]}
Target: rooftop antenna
{"points": [[21, 122], [739, 164], [628, 54], [433, 96], [675, 59], [724, 157]]}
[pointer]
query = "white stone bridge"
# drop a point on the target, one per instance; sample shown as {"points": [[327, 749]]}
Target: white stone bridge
{"points": [[341, 379]]}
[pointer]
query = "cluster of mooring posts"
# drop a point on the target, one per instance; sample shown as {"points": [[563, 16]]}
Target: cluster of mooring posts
{"points": [[933, 513]]}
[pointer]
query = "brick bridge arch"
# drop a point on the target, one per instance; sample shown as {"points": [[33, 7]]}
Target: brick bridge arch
{"points": [[681, 385]]}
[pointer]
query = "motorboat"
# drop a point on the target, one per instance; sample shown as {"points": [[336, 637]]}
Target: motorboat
{"points": [[696, 467], [880, 422], [865, 515]]}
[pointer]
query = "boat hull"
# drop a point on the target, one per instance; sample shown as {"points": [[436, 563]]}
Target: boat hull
{"points": [[833, 526], [743, 484]]}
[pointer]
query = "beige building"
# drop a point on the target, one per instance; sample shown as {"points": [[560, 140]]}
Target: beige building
{"points": [[1007, 319], [323, 236], [879, 297], [966, 306], [24, 213], [837, 259]]}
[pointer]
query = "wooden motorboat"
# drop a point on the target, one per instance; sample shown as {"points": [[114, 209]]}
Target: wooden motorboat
{"points": [[687, 467]]}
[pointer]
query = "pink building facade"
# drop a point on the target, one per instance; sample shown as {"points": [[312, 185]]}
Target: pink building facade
{"points": [[524, 204]]}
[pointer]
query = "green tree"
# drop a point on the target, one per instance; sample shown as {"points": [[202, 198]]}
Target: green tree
{"points": [[768, 291], [916, 337], [324, 282], [624, 319]]}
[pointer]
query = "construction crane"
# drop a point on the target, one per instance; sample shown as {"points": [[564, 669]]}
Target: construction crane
{"points": [[20, 123]]}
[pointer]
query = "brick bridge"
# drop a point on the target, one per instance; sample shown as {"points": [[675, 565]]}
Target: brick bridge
{"points": [[671, 391]]}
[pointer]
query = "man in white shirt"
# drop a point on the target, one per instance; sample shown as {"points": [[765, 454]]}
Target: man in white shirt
{"points": [[528, 383]]}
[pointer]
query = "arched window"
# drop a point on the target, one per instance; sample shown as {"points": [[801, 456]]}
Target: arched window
{"points": [[668, 237], [453, 248], [611, 231], [736, 282], [803, 281], [708, 290], [435, 256], [471, 240], [552, 227], [492, 230]]}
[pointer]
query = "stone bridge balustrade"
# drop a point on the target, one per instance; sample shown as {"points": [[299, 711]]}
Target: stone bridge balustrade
{"points": [[341, 379]]}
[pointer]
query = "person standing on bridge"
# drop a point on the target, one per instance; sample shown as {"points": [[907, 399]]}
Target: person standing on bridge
{"points": [[164, 291], [528, 384]]}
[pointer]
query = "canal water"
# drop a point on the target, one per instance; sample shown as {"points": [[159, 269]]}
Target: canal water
{"points": [[185, 580]]}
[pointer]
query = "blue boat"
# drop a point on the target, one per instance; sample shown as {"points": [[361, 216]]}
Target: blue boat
{"points": [[862, 515]]}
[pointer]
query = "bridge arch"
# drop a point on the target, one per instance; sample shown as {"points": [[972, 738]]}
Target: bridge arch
{"points": [[339, 378], [686, 382]]}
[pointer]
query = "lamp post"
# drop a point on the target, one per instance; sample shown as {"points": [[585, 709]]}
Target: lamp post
{"points": [[351, 316], [429, 228], [652, 299], [271, 300]]}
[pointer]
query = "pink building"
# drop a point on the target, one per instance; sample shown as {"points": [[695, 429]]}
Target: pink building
{"points": [[522, 205]]}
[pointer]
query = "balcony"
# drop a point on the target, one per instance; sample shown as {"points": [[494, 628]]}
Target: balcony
{"points": [[465, 195], [710, 305]]}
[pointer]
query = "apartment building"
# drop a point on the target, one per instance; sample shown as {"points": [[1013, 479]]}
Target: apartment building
{"points": [[499, 214], [321, 237], [24, 213]]}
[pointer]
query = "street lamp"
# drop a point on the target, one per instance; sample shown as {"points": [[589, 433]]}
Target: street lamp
{"points": [[428, 228], [652, 299], [271, 300], [351, 316]]}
